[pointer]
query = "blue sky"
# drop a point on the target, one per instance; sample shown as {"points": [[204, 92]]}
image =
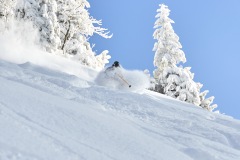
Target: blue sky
{"points": [[209, 32]]}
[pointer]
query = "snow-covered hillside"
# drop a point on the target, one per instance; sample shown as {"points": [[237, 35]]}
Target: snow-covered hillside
{"points": [[52, 115]]}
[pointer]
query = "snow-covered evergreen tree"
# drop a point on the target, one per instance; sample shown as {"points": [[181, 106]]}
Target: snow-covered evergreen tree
{"points": [[6, 8], [167, 49], [76, 27], [6, 13], [43, 15], [206, 102], [102, 59], [151, 80], [171, 79], [50, 29]]}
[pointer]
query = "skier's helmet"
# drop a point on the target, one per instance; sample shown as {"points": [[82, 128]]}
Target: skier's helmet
{"points": [[116, 64]]}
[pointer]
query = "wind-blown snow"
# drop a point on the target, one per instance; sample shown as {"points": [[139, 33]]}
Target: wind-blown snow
{"points": [[137, 79], [52, 109]]}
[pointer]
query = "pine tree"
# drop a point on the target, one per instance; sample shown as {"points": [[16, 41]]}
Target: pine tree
{"points": [[171, 79], [206, 102], [76, 27], [42, 13], [6, 13], [167, 49], [49, 27], [6, 9]]}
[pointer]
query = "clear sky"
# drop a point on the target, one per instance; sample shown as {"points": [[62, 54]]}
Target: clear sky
{"points": [[209, 32]]}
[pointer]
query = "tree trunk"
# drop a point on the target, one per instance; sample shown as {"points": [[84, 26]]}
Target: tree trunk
{"points": [[66, 36]]}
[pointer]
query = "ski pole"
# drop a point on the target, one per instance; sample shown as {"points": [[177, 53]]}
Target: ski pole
{"points": [[124, 80]]}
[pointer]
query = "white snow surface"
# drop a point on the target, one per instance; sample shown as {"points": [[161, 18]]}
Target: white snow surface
{"points": [[46, 114]]}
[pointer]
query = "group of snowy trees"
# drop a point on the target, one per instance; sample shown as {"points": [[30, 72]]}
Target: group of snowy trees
{"points": [[64, 27], [171, 79]]}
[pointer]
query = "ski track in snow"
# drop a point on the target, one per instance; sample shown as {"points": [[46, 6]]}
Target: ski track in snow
{"points": [[48, 115]]}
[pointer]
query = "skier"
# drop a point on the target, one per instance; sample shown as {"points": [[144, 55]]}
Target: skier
{"points": [[115, 72], [114, 66]]}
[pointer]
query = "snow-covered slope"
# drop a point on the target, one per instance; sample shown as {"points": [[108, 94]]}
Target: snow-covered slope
{"points": [[49, 115]]}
